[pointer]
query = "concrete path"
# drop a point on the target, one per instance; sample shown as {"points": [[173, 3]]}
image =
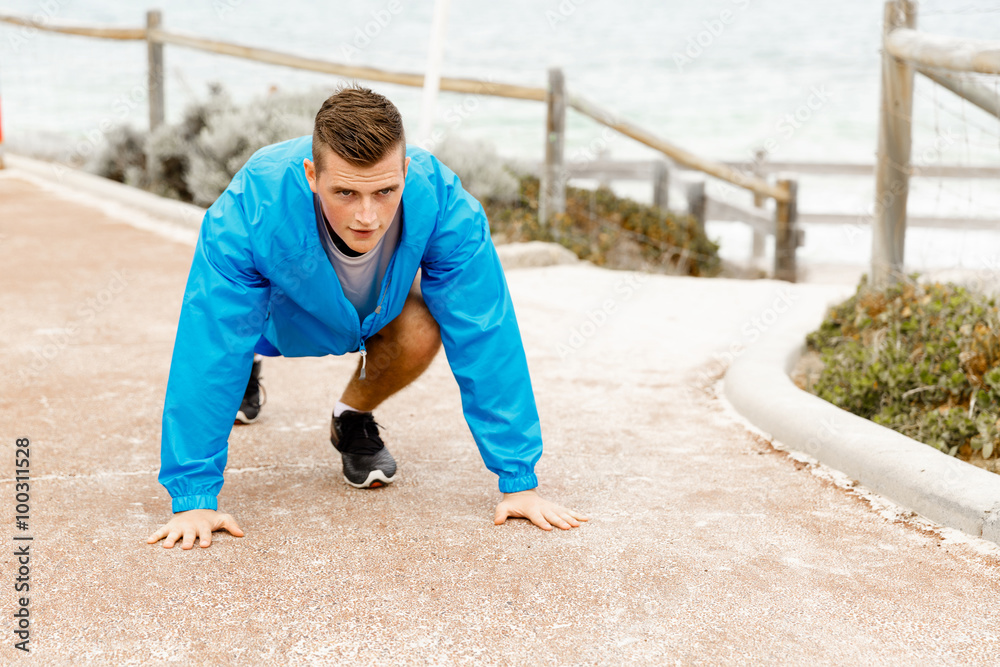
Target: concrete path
{"points": [[706, 545]]}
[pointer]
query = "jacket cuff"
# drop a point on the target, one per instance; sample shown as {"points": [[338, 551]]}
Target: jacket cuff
{"points": [[515, 484], [202, 502]]}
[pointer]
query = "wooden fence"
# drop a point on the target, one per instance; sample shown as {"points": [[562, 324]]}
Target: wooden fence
{"points": [[781, 223], [658, 173], [905, 51]]}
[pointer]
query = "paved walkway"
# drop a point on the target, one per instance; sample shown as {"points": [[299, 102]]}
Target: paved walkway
{"points": [[706, 545]]}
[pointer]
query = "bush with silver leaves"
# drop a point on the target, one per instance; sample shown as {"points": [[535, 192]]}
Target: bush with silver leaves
{"points": [[197, 158]]}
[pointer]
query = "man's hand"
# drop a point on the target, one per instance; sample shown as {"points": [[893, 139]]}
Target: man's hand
{"points": [[543, 513], [193, 523]]}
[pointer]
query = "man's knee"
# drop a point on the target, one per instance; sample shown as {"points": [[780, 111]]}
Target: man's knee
{"points": [[414, 329], [421, 325]]}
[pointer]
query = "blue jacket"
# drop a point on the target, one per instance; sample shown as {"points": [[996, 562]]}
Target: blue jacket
{"points": [[259, 269]]}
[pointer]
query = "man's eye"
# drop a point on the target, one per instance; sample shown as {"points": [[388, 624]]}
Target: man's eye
{"points": [[385, 191], [345, 193]]}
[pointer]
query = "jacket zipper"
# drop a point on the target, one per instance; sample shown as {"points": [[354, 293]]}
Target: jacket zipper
{"points": [[378, 309]]}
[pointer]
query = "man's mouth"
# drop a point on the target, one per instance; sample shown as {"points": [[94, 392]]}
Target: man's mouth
{"points": [[362, 233]]}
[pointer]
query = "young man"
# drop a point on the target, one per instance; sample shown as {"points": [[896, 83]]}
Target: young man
{"points": [[309, 257]]}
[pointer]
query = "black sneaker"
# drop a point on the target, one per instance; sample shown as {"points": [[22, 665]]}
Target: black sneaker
{"points": [[253, 398], [367, 461]]}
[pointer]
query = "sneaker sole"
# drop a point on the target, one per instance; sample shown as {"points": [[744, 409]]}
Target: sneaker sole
{"points": [[243, 419], [376, 478]]}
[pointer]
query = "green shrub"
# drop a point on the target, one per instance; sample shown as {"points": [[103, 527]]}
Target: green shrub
{"points": [[922, 359], [609, 230]]}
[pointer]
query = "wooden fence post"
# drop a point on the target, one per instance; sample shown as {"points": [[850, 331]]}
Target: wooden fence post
{"points": [[695, 191], [552, 193], [154, 54], [758, 244], [786, 234], [892, 173], [661, 185]]}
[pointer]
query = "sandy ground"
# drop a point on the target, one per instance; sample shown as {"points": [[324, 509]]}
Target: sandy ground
{"points": [[705, 546]]}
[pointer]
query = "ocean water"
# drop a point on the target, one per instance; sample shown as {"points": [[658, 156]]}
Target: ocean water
{"points": [[720, 78]]}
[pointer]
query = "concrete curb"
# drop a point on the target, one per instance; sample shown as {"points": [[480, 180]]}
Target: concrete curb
{"points": [[189, 216], [920, 478], [186, 215]]}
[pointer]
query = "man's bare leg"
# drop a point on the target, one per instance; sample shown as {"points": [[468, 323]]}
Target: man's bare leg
{"points": [[397, 355]]}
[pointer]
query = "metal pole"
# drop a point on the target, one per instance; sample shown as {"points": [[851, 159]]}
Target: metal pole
{"points": [[892, 174], [432, 78], [154, 51], [552, 190]]}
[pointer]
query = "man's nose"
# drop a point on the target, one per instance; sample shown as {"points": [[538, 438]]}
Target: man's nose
{"points": [[367, 213]]}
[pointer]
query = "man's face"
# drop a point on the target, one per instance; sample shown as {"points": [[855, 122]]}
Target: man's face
{"points": [[359, 202]]}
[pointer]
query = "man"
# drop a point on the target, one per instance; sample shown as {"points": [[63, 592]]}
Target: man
{"points": [[309, 257]]}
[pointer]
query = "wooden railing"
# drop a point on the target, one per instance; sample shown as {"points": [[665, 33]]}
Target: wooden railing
{"points": [[906, 51], [556, 97], [653, 171]]}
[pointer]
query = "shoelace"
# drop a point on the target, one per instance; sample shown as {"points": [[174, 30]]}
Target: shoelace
{"points": [[362, 433], [261, 393]]}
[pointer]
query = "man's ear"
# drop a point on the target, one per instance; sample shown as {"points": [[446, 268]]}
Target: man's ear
{"points": [[310, 170], [406, 165]]}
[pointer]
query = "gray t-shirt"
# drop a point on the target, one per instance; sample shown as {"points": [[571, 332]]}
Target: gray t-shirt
{"points": [[360, 276]]}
